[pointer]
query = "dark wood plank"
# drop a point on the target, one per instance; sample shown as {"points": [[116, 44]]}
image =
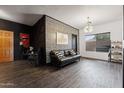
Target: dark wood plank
{"points": [[85, 74]]}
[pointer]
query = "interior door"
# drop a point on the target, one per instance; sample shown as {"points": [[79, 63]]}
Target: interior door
{"points": [[74, 42], [6, 46]]}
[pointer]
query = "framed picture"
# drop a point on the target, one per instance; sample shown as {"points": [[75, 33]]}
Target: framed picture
{"points": [[24, 40], [62, 38]]}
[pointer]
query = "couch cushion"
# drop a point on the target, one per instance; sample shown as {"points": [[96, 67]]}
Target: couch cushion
{"points": [[75, 56], [66, 58], [70, 57]]}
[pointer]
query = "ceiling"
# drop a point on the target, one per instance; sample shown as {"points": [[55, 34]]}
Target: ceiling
{"points": [[74, 15]]}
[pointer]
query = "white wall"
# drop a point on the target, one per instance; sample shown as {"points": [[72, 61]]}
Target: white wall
{"points": [[116, 30]]}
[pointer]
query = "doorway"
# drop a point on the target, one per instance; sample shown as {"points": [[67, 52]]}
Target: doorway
{"points": [[6, 46], [74, 42]]}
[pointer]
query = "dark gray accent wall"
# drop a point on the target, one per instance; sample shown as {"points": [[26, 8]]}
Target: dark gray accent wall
{"points": [[17, 28], [38, 38], [52, 27], [38, 34], [123, 48]]}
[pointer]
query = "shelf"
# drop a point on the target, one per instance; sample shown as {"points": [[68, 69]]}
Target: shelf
{"points": [[116, 52]]}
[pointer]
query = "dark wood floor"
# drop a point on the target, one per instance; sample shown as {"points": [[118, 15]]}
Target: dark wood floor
{"points": [[83, 74]]}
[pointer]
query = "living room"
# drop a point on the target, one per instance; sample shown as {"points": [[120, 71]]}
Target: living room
{"points": [[51, 46]]}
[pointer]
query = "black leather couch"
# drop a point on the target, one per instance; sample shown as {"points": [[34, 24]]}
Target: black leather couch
{"points": [[63, 57]]}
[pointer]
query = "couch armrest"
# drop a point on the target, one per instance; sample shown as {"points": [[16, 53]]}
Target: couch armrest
{"points": [[55, 59]]}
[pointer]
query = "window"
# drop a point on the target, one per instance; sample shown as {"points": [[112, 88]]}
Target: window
{"points": [[98, 42], [90, 41]]}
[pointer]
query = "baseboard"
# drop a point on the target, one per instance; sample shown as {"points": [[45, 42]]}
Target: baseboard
{"points": [[93, 58]]}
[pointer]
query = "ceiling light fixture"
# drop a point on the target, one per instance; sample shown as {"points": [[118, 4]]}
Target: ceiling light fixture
{"points": [[88, 27]]}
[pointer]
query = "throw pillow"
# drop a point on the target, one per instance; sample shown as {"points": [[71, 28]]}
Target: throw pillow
{"points": [[72, 52], [66, 53]]}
